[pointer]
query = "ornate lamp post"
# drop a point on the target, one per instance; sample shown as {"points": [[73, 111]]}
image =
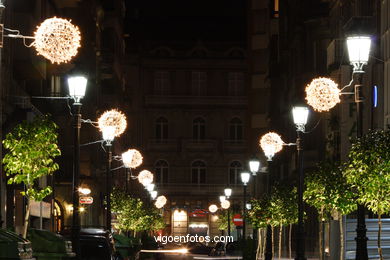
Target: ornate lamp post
{"points": [[300, 115], [323, 94], [270, 143], [254, 165], [131, 159], [228, 193], [245, 176], [77, 86], [112, 124], [359, 50]]}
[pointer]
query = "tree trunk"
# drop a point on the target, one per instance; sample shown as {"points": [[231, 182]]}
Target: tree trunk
{"points": [[379, 236], [280, 241], [341, 237], [289, 241], [273, 241], [26, 219], [259, 244], [320, 236], [264, 242]]}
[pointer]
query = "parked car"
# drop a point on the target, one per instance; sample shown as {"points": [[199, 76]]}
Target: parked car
{"points": [[12, 246], [95, 244]]}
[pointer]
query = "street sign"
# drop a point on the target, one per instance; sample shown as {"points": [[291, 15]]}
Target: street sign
{"points": [[237, 220], [86, 200]]}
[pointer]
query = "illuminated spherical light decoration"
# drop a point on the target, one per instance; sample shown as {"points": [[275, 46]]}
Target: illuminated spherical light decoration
{"points": [[160, 202], [225, 204], [271, 143], [145, 177], [132, 158], [213, 208], [57, 40], [322, 94], [113, 118]]}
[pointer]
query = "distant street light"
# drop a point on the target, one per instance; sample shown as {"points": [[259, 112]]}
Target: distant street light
{"points": [[153, 194], [145, 177], [222, 198], [213, 208], [112, 124], [245, 176], [228, 193], [77, 86]]}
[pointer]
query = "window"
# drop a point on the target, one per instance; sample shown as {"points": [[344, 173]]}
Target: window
{"points": [[198, 172], [236, 83], [161, 169], [198, 84], [235, 169], [198, 129], [162, 128], [55, 86], [235, 129], [161, 83]]}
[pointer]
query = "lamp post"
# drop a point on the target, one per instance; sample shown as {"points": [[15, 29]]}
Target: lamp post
{"points": [[77, 86], [228, 193], [245, 176], [112, 124], [270, 143], [358, 50], [300, 115], [254, 165]]}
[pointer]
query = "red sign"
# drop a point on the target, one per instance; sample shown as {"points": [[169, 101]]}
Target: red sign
{"points": [[237, 220], [198, 213], [86, 200]]}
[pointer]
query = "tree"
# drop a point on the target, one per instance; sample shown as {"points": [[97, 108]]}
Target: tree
{"points": [[328, 191], [259, 216], [368, 171], [32, 147], [283, 210], [133, 214]]}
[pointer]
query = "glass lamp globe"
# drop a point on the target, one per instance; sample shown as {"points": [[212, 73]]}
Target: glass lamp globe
{"points": [[245, 177], [77, 86]]}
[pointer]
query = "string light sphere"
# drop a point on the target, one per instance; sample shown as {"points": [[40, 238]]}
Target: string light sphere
{"points": [[271, 143], [113, 119], [322, 94], [57, 40], [213, 208], [225, 204], [132, 158], [145, 177], [160, 201]]}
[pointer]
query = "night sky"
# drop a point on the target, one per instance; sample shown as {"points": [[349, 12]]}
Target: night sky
{"points": [[187, 20]]}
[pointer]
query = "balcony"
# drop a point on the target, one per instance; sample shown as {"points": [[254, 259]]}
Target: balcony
{"points": [[198, 190], [235, 146], [199, 101], [167, 145], [206, 145]]}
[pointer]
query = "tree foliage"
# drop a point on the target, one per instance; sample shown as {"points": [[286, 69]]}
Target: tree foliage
{"points": [[222, 221], [283, 206], [328, 191], [133, 214], [259, 214], [368, 170], [32, 147]]}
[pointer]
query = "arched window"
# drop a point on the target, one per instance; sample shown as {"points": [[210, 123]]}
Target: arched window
{"points": [[161, 169], [198, 83], [236, 83], [235, 169], [235, 129], [162, 128], [198, 172], [198, 128]]}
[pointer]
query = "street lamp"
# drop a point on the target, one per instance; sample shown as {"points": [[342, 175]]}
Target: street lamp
{"points": [[77, 86], [359, 50], [222, 198], [254, 165], [112, 124], [228, 193], [153, 194], [213, 208], [131, 159], [300, 115], [245, 176], [270, 143]]}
